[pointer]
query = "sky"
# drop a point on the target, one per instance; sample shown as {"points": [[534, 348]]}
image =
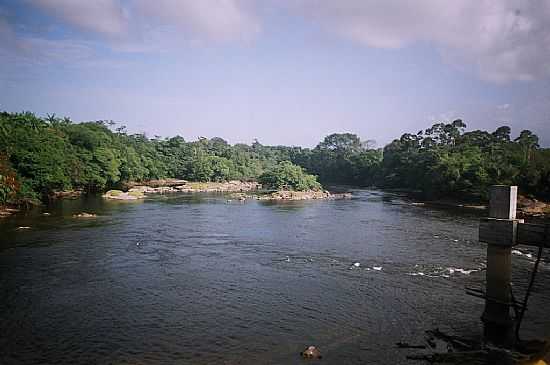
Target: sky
{"points": [[282, 71]]}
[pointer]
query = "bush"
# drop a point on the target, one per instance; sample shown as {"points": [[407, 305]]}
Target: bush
{"points": [[287, 176], [9, 185]]}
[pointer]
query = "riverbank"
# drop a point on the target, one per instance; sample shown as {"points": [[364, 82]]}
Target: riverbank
{"points": [[6, 211], [66, 194], [526, 207], [533, 208]]}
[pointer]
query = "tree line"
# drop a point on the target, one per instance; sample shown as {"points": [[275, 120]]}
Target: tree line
{"points": [[39, 156]]}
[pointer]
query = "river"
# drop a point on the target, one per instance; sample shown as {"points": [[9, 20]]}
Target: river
{"points": [[195, 279]]}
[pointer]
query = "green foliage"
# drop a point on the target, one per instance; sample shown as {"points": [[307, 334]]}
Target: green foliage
{"points": [[339, 159], [445, 161], [287, 176], [54, 154], [39, 156], [9, 185]]}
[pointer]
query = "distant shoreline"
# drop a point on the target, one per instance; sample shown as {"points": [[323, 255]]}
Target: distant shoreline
{"points": [[246, 190], [527, 207]]}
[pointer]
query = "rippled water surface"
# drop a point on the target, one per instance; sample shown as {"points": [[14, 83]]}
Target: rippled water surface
{"points": [[195, 279]]}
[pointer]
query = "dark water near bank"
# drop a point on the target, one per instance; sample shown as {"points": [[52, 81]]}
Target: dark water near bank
{"points": [[193, 279]]}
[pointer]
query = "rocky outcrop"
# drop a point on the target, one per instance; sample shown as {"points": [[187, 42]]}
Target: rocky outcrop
{"points": [[157, 183], [85, 215], [120, 195], [66, 194], [220, 187], [242, 190], [532, 207], [302, 195], [197, 187], [291, 195], [140, 191]]}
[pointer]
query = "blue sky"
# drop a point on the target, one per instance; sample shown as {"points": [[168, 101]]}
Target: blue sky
{"points": [[285, 72]]}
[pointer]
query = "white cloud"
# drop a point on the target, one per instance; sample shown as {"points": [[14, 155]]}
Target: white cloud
{"points": [[219, 20], [20, 54], [447, 116], [498, 40], [501, 40], [106, 17], [139, 26]]}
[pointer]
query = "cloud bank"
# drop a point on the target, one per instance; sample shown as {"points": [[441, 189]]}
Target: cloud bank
{"points": [[218, 20], [497, 40], [500, 40]]}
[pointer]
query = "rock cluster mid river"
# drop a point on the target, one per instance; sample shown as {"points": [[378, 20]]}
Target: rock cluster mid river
{"points": [[195, 279]]}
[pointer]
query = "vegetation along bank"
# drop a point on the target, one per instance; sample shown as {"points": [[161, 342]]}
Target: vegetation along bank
{"points": [[41, 157]]}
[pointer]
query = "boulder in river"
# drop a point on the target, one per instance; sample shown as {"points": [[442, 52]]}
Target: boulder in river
{"points": [[311, 352], [84, 215], [66, 194], [120, 195]]}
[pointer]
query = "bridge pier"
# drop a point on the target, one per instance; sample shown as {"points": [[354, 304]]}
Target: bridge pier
{"points": [[499, 232]]}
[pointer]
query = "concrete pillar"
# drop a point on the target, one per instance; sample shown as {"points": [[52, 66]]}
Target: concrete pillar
{"points": [[498, 324]]}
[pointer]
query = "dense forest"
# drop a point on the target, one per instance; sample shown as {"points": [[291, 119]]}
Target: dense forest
{"points": [[39, 156]]}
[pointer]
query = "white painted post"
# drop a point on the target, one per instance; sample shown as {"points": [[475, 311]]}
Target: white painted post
{"points": [[499, 232]]}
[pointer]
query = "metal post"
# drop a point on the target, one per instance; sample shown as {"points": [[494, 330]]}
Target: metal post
{"points": [[498, 324]]}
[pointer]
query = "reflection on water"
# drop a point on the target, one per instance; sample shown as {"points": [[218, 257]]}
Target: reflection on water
{"points": [[196, 279]]}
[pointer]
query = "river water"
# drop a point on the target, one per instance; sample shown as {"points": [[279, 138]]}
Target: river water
{"points": [[195, 279]]}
